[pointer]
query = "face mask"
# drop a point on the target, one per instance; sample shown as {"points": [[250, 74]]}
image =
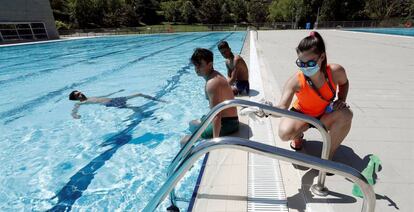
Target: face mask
{"points": [[309, 71]]}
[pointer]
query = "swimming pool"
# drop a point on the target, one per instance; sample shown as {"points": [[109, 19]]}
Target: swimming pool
{"points": [[391, 31], [110, 158]]}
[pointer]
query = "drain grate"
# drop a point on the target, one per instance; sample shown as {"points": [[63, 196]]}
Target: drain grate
{"points": [[265, 185]]}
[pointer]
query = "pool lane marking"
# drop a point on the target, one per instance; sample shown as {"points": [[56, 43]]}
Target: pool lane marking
{"points": [[80, 181], [49, 70], [76, 48], [29, 105]]}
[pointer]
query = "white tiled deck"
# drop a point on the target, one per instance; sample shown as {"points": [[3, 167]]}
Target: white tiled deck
{"points": [[381, 73], [380, 69]]}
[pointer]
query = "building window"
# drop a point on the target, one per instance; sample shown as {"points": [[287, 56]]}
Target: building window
{"points": [[22, 31]]}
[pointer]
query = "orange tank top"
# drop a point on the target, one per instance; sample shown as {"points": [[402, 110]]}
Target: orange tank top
{"points": [[308, 100]]}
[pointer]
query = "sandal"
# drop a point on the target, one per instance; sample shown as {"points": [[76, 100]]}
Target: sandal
{"points": [[298, 143]]}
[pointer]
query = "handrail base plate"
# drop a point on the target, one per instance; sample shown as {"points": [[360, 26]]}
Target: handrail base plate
{"points": [[318, 190]]}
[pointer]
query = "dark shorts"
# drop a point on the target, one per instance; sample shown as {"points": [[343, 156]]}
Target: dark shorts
{"points": [[229, 125], [117, 102], [298, 111], [242, 86]]}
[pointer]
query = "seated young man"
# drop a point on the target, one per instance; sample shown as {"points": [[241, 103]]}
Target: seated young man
{"points": [[237, 71], [217, 90]]}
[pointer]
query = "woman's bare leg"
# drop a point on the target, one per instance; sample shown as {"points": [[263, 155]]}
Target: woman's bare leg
{"points": [[290, 129], [338, 123]]}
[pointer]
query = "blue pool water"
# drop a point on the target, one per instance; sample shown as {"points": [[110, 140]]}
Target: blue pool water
{"points": [[391, 31], [110, 158]]}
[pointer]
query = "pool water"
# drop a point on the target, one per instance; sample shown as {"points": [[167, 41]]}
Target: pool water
{"points": [[391, 31], [110, 158]]}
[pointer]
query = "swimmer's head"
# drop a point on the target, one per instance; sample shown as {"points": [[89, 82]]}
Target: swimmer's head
{"points": [[224, 49], [202, 59], [77, 95]]}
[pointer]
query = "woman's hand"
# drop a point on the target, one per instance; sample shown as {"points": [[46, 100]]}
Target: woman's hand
{"points": [[339, 104]]}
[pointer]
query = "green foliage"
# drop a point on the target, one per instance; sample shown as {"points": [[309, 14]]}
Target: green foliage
{"points": [[114, 14], [411, 10], [132, 13], [188, 12], [171, 10], [210, 12], [146, 10], [87, 14], [61, 10], [282, 10], [62, 25], [238, 10], [257, 11], [225, 13]]}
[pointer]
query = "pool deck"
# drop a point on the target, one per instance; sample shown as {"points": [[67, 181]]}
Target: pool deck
{"points": [[380, 69]]}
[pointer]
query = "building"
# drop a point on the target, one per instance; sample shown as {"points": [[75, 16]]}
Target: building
{"points": [[25, 20]]}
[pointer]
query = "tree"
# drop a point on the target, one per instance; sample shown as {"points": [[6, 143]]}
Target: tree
{"points": [[84, 12], [147, 10], [210, 12], [257, 11], [225, 13], [282, 10], [380, 9], [131, 18], [404, 8], [188, 12], [171, 10], [337, 10], [411, 10], [61, 12], [115, 15], [238, 10]]}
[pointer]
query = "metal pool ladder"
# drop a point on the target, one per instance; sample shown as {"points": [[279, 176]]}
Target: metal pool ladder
{"points": [[189, 154]]}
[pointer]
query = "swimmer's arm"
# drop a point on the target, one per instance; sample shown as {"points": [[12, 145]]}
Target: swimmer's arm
{"points": [[75, 111], [145, 96], [291, 86], [213, 90], [152, 98], [111, 93], [228, 69], [233, 77]]}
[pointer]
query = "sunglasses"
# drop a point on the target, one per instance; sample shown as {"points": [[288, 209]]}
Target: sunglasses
{"points": [[310, 63]]}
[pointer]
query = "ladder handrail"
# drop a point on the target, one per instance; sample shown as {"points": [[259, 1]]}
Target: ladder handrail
{"points": [[318, 188], [206, 146]]}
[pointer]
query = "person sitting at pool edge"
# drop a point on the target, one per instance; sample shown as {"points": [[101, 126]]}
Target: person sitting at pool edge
{"points": [[237, 71], [217, 90], [119, 102], [321, 90]]}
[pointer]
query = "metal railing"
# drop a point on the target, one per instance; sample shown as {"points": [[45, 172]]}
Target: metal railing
{"points": [[20, 31], [318, 189], [206, 146]]}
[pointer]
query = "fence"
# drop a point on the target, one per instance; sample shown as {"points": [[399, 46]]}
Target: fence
{"points": [[232, 27], [398, 23], [201, 28], [152, 30]]}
